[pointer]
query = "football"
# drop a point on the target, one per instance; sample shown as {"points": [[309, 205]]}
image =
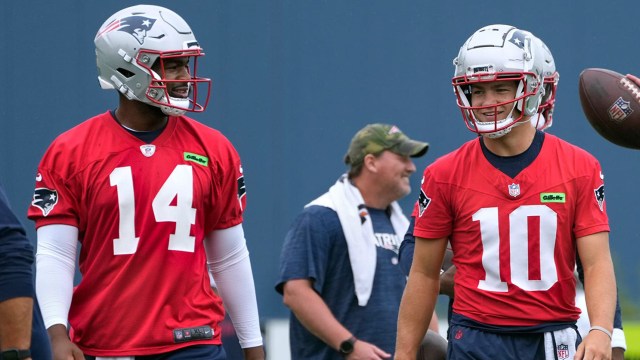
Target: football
{"points": [[611, 103]]}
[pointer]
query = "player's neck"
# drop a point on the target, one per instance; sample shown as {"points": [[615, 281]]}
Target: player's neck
{"points": [[514, 143], [137, 116]]}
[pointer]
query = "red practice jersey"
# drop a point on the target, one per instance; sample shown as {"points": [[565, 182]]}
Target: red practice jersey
{"points": [[514, 239], [142, 211]]}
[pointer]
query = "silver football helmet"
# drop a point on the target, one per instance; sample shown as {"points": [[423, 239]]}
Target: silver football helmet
{"points": [[131, 49], [498, 53], [551, 77]]}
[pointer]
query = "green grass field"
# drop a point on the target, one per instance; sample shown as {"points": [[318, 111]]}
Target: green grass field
{"points": [[632, 334]]}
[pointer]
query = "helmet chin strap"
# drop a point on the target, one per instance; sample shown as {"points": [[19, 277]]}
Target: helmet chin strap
{"points": [[505, 131], [171, 111], [176, 106]]}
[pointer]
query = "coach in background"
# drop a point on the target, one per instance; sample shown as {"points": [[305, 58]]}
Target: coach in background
{"points": [[21, 326], [339, 270]]}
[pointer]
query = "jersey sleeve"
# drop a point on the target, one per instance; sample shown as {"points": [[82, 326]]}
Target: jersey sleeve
{"points": [[591, 211], [54, 201], [433, 219], [230, 201]]}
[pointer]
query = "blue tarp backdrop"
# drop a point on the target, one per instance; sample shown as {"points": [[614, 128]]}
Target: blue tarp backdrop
{"points": [[294, 80]]}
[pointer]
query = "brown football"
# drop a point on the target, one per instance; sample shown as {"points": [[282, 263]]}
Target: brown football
{"points": [[611, 103]]}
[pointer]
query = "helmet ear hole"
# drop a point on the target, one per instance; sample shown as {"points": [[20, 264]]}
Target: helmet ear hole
{"points": [[126, 73]]}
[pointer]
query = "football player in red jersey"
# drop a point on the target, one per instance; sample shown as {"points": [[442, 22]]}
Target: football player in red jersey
{"points": [[153, 197], [542, 121], [514, 203]]}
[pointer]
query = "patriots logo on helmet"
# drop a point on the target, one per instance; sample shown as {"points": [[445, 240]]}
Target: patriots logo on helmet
{"points": [[423, 203], [45, 199], [517, 39], [136, 25], [599, 192]]}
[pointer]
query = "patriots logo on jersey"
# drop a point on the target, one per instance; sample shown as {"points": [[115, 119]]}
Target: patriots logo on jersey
{"points": [[423, 203], [242, 188], [599, 192], [45, 199]]}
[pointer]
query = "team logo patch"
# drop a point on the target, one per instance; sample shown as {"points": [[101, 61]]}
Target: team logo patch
{"points": [[45, 200], [199, 159], [148, 150], [599, 193], [514, 190], [563, 351], [362, 211], [242, 188], [423, 203], [620, 110]]}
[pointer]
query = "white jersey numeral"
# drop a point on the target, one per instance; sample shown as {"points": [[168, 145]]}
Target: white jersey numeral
{"points": [[179, 186], [519, 248]]}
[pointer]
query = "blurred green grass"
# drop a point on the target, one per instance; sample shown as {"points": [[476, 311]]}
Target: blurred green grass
{"points": [[632, 334]]}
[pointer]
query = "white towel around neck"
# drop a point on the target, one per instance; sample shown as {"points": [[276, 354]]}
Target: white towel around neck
{"points": [[346, 200]]}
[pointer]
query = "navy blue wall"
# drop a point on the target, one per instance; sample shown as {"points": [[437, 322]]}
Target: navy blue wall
{"points": [[294, 80]]}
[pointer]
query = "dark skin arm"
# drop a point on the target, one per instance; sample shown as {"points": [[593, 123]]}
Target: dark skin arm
{"points": [[446, 278], [61, 345], [254, 353], [15, 327], [617, 353]]}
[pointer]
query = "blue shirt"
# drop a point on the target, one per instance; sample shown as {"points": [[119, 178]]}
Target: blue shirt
{"points": [[16, 274], [315, 248]]}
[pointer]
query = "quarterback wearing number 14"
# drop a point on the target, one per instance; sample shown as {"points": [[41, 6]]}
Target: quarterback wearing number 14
{"points": [[153, 197]]}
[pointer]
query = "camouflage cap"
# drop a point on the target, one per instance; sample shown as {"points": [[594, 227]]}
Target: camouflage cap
{"points": [[375, 138]]}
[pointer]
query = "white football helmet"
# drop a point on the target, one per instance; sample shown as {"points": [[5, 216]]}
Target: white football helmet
{"points": [[135, 39], [498, 53], [551, 77]]}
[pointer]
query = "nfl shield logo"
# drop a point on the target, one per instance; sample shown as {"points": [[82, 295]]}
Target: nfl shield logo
{"points": [[620, 110], [563, 351], [148, 150], [514, 190]]}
